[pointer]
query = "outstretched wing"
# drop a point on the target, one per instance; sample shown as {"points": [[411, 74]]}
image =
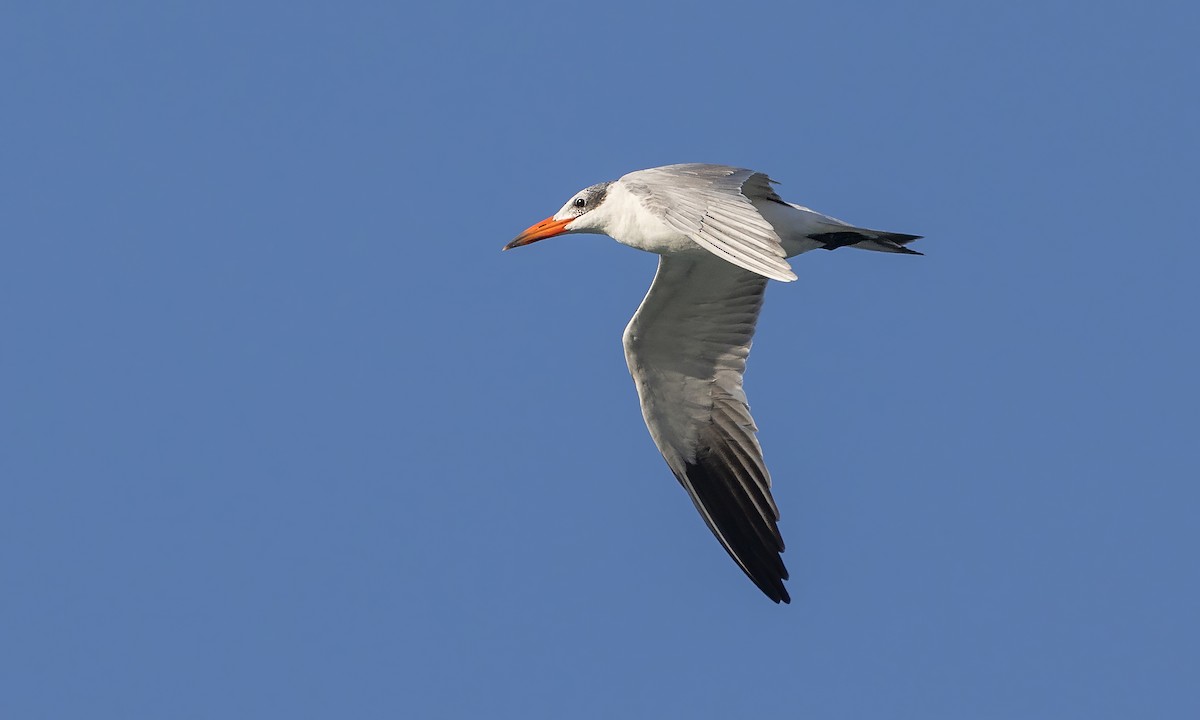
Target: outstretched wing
{"points": [[687, 347], [712, 205]]}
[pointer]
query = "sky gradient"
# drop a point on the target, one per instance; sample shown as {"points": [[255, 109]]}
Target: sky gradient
{"points": [[284, 434]]}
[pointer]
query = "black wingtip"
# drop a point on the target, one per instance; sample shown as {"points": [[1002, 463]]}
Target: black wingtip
{"points": [[781, 596], [753, 544]]}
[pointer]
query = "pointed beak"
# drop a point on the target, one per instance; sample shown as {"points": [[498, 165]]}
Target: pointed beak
{"points": [[546, 228]]}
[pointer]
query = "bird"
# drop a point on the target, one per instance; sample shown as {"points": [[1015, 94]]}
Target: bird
{"points": [[721, 233]]}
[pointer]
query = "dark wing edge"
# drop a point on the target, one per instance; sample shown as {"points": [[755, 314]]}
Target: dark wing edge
{"points": [[686, 347], [733, 496]]}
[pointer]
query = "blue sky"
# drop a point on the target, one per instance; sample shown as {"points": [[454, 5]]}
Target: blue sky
{"points": [[284, 434]]}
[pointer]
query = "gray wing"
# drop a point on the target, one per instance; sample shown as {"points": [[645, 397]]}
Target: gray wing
{"points": [[712, 205], [687, 347]]}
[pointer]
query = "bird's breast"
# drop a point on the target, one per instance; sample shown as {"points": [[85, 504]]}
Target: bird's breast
{"points": [[632, 224]]}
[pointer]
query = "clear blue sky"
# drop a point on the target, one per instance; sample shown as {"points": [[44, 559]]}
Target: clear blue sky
{"points": [[284, 434]]}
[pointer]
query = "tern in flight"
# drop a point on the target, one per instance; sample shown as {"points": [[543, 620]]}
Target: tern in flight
{"points": [[720, 233]]}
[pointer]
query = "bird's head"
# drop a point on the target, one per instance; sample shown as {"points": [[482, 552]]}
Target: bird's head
{"points": [[578, 215]]}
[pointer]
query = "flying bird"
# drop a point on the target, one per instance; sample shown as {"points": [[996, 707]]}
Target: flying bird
{"points": [[720, 233]]}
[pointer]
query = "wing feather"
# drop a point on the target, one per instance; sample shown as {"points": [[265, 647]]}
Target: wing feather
{"points": [[712, 205], [686, 347]]}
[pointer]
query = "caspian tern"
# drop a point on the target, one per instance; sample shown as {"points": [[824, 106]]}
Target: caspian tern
{"points": [[720, 232]]}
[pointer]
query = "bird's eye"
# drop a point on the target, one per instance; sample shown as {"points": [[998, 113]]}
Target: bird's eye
{"points": [[580, 202]]}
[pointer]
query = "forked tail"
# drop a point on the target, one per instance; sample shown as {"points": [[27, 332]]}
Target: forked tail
{"points": [[865, 239]]}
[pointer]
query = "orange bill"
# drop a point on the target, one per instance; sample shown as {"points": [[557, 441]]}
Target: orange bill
{"points": [[546, 228]]}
